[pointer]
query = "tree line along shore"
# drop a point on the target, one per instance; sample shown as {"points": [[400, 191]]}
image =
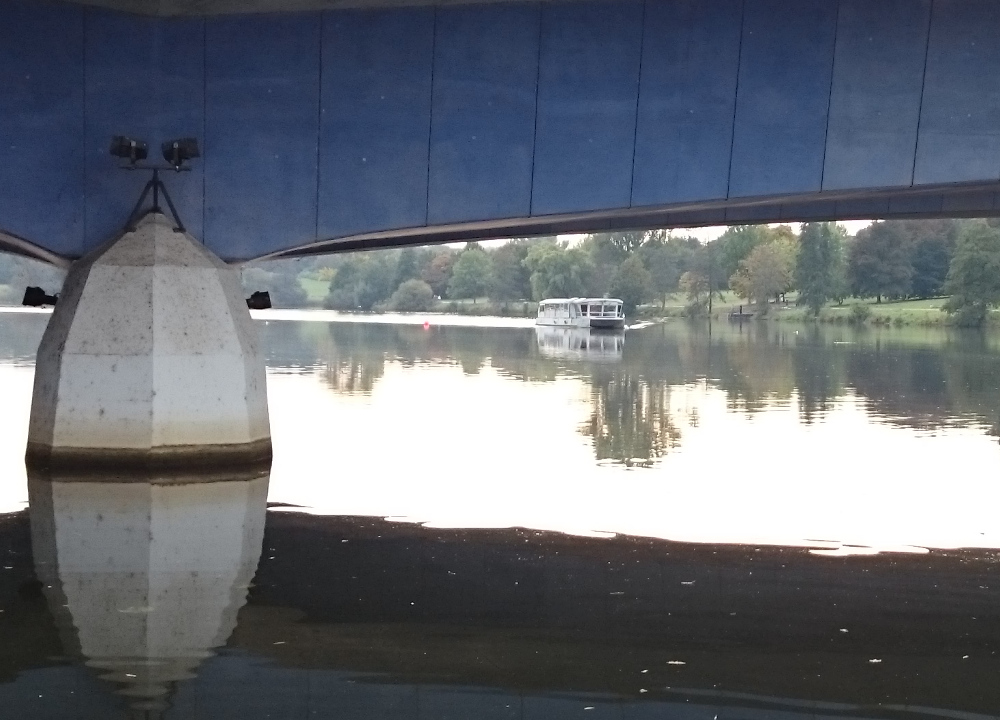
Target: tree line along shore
{"points": [[923, 272]]}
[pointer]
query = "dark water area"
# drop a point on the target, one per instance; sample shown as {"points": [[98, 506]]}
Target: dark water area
{"points": [[496, 522]]}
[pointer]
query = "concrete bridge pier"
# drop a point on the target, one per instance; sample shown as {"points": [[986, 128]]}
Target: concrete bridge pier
{"points": [[150, 361]]}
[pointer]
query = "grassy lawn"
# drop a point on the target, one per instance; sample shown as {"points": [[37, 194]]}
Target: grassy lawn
{"points": [[315, 289], [889, 312], [897, 312]]}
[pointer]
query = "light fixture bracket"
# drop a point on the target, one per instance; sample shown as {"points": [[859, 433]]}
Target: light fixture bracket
{"points": [[175, 152], [156, 186]]}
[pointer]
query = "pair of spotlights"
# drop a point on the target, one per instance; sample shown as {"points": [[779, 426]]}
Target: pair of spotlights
{"points": [[176, 152]]}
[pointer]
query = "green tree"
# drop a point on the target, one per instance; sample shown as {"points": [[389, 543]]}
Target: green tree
{"points": [[786, 243], [736, 243], [406, 266], [879, 263], [342, 293], [931, 246], [280, 281], [377, 276], [558, 271], [470, 278], [605, 257], [815, 265], [696, 286], [511, 279], [765, 272], [362, 281], [666, 258], [631, 283], [974, 276], [626, 242], [840, 286], [412, 296], [706, 261], [437, 271]]}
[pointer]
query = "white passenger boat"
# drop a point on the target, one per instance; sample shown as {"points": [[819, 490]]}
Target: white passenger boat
{"points": [[594, 313]]}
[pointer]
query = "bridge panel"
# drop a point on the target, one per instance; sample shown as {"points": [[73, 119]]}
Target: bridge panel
{"points": [[261, 131], [687, 94], [786, 67], [960, 121], [875, 102], [41, 124], [145, 79], [588, 87], [483, 126], [412, 125], [375, 125]]}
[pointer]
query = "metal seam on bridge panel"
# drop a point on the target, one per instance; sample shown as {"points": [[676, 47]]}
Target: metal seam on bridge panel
{"points": [[534, 135], [430, 119], [638, 98], [736, 96], [829, 98], [319, 116], [923, 89], [204, 128], [85, 129]]}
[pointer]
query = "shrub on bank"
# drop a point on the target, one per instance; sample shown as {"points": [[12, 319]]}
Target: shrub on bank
{"points": [[859, 313], [521, 308], [412, 296]]}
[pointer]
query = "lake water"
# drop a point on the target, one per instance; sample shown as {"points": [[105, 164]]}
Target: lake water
{"points": [[480, 519]]}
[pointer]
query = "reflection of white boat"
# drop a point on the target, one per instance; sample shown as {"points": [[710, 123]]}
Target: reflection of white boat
{"points": [[596, 313], [580, 343]]}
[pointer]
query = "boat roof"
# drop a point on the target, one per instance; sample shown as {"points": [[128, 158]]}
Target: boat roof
{"points": [[551, 301]]}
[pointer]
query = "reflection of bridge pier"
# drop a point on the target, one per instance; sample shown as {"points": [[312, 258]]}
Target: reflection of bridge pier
{"points": [[145, 578]]}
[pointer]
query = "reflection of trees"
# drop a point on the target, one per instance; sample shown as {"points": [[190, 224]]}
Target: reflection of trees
{"points": [[753, 365], [918, 378], [953, 380], [631, 421], [292, 345], [915, 377], [352, 375], [819, 374], [355, 356]]}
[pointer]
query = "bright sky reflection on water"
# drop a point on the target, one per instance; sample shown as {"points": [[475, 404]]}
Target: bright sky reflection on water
{"points": [[398, 424]]}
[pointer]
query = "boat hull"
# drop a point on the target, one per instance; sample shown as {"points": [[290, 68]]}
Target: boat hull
{"points": [[583, 322], [606, 323]]}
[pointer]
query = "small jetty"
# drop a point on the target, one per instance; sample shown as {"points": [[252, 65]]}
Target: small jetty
{"points": [[739, 315]]}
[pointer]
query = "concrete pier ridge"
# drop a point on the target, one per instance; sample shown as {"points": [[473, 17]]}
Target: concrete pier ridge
{"points": [[150, 361]]}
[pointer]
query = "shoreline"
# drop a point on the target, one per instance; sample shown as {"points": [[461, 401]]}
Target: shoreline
{"points": [[885, 315]]}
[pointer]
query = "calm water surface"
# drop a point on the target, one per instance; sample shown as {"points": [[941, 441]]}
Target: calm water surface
{"points": [[478, 519]]}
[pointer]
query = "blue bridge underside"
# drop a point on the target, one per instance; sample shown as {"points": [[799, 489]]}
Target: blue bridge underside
{"points": [[340, 129]]}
